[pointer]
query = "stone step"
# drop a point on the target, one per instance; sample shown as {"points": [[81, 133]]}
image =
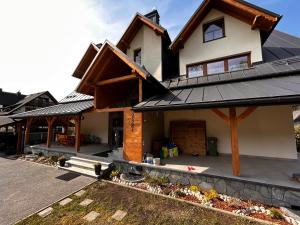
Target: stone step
{"points": [[90, 160], [80, 170], [85, 164]]}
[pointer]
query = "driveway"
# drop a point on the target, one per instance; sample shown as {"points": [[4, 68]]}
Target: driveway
{"points": [[26, 187]]}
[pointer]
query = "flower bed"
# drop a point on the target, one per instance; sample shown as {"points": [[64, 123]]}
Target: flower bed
{"points": [[209, 198], [46, 160]]}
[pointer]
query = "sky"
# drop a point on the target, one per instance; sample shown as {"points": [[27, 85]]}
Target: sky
{"points": [[42, 41]]}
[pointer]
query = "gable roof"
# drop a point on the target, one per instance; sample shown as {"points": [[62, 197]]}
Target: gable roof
{"points": [[103, 59], [255, 16], [76, 97], [137, 22], [85, 61], [27, 100], [8, 98], [271, 83]]}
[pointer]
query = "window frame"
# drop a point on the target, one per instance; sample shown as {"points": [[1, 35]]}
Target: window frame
{"points": [[135, 51], [207, 24], [224, 59]]}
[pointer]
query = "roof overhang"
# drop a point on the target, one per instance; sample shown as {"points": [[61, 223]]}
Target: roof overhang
{"points": [[256, 17], [134, 26], [86, 60], [109, 63]]}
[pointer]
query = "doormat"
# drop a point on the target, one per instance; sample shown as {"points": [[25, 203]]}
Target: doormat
{"points": [[68, 176]]}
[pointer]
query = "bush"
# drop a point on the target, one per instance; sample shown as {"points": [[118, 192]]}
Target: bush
{"points": [[179, 194], [115, 173], [210, 195], [195, 188], [276, 214], [53, 158], [156, 181]]}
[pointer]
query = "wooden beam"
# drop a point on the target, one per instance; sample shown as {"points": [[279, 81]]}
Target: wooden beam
{"points": [[221, 115], [140, 90], [246, 113], [112, 109], [234, 142], [19, 134], [117, 79], [77, 133], [50, 122], [27, 131]]}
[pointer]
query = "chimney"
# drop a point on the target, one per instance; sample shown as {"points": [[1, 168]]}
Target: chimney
{"points": [[153, 15], [0, 90]]}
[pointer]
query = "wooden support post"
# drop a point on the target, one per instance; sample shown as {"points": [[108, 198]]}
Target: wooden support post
{"points": [[19, 135], [140, 90], [27, 131], [77, 133], [234, 142], [50, 122]]}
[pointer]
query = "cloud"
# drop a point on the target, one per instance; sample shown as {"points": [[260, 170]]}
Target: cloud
{"points": [[42, 42]]}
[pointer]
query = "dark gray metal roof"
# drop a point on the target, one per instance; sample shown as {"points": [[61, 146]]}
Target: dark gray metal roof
{"points": [[277, 82], [280, 45], [5, 120], [75, 97], [71, 108]]}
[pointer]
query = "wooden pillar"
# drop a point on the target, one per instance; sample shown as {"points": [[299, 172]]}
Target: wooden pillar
{"points": [[234, 142], [27, 131], [77, 133], [140, 90], [50, 122], [19, 135]]}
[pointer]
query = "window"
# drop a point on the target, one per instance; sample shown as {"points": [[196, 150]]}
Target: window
{"points": [[138, 56], [213, 30], [219, 66], [238, 63], [215, 67], [195, 70]]}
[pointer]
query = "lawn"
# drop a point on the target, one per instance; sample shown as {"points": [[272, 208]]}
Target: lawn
{"points": [[141, 208]]}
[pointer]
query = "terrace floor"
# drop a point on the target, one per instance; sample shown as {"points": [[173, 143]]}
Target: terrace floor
{"points": [[272, 171]]}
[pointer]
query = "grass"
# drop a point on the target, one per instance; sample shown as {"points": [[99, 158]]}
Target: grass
{"points": [[142, 208]]}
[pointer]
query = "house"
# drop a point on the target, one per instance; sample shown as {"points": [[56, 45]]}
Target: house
{"points": [[8, 126], [229, 74], [8, 98]]}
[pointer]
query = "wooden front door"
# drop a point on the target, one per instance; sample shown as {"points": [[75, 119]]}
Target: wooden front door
{"points": [[189, 136]]}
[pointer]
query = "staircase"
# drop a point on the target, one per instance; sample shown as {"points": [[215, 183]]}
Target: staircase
{"points": [[85, 166]]}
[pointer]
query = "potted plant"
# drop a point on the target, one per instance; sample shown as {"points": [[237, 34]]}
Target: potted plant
{"points": [[97, 168], [62, 161]]}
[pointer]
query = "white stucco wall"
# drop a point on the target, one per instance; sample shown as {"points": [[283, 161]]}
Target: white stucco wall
{"points": [[150, 45], [96, 124], [268, 132], [239, 38]]}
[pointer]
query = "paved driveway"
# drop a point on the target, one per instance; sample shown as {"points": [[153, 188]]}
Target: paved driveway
{"points": [[27, 187]]}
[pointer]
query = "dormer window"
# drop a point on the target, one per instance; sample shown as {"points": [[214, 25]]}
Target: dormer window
{"points": [[213, 30], [138, 56]]}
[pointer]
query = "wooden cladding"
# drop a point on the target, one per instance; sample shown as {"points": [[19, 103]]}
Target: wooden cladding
{"points": [[133, 136], [189, 136]]}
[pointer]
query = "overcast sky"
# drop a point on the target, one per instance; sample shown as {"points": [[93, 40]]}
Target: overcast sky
{"points": [[42, 41]]}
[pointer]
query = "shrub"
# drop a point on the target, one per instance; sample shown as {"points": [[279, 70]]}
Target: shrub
{"points": [[276, 214], [53, 158], [166, 191], [180, 194], [156, 181], [115, 173], [210, 195], [195, 188]]}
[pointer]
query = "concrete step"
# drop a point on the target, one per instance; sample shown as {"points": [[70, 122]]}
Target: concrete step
{"points": [[89, 160], [79, 170], [85, 164]]}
